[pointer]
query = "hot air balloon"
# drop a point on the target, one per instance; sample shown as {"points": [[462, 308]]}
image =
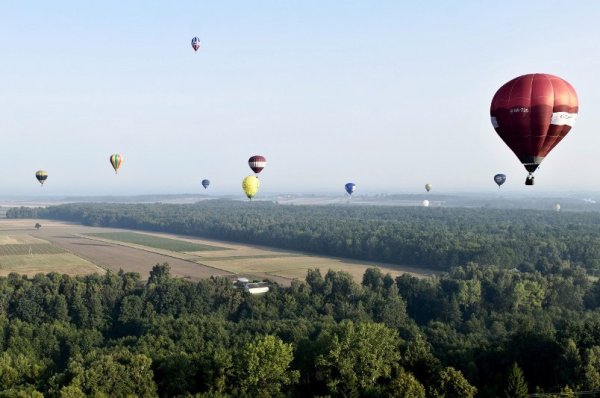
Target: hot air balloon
{"points": [[195, 43], [350, 188], [500, 179], [532, 114], [257, 163], [425, 203], [116, 161], [41, 176], [428, 187], [205, 183], [557, 207], [250, 186]]}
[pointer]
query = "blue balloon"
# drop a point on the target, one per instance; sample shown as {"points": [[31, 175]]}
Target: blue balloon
{"points": [[500, 179], [350, 187], [205, 183]]}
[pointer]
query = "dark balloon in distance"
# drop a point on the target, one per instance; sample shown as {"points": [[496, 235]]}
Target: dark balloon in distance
{"points": [[500, 179], [350, 188]]}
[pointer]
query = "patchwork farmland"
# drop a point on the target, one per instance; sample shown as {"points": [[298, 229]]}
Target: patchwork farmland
{"points": [[75, 249]]}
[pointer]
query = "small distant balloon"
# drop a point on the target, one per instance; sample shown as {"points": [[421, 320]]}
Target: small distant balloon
{"points": [[195, 43], [257, 163], [41, 176], [116, 161], [350, 188], [250, 186], [205, 183], [557, 207], [500, 179], [425, 203], [428, 187]]}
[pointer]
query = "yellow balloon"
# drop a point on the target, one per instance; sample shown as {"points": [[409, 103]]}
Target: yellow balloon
{"points": [[250, 186]]}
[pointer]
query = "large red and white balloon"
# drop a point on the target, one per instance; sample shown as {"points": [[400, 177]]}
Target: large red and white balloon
{"points": [[532, 114]]}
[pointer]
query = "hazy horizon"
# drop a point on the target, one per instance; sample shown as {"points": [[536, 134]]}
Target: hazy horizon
{"points": [[387, 95]]}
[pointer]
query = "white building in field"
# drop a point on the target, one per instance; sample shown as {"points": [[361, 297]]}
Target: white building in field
{"points": [[252, 287]]}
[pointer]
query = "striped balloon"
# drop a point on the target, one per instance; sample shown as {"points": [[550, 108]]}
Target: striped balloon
{"points": [[257, 163], [41, 176], [195, 43], [116, 160]]}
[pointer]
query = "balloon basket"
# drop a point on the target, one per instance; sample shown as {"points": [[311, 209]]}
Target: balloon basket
{"points": [[530, 180]]}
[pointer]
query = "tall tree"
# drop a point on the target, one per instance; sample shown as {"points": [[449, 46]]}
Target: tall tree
{"points": [[357, 355], [451, 383], [264, 367], [516, 387]]}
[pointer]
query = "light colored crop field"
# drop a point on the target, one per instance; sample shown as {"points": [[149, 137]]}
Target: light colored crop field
{"points": [[65, 263], [296, 266], [23, 249], [22, 239], [11, 225], [157, 242]]}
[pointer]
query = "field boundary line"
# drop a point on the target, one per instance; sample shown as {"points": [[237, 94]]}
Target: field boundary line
{"points": [[78, 255], [150, 250]]}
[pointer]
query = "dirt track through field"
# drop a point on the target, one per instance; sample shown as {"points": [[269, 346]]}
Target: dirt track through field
{"points": [[116, 257]]}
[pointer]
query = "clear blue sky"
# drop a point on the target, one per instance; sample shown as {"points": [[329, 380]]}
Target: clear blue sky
{"points": [[388, 94]]}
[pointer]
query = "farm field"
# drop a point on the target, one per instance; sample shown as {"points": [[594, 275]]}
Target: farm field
{"points": [[24, 254], [65, 263], [98, 249], [157, 242]]}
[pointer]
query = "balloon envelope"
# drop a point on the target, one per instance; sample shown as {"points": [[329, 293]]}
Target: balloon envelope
{"points": [[350, 187], [428, 187], [205, 183], [250, 186], [257, 163], [41, 176], [116, 161], [195, 43], [557, 207], [500, 179], [425, 203], [532, 114]]}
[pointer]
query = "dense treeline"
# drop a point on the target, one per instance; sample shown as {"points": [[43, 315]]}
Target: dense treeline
{"points": [[438, 238], [479, 331]]}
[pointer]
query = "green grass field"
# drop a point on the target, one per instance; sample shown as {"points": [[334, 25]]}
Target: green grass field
{"points": [[25, 249], [155, 242]]}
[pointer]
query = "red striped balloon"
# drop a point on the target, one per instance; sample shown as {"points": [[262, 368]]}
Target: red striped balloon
{"points": [[257, 163], [532, 114]]}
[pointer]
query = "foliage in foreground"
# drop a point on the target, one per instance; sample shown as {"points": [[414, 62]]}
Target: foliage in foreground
{"points": [[479, 331]]}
